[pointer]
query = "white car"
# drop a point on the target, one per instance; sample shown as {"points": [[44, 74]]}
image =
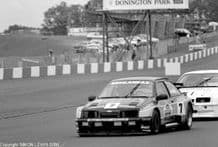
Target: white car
{"points": [[202, 87]]}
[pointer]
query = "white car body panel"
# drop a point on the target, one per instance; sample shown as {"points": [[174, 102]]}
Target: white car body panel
{"points": [[204, 109]]}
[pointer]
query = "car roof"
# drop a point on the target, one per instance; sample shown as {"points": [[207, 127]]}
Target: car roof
{"points": [[141, 78], [202, 72]]}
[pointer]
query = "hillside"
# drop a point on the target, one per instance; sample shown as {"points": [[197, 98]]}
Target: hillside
{"points": [[35, 45]]}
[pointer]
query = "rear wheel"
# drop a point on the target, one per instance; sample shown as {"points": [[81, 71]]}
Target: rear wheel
{"points": [[81, 135], [155, 123]]}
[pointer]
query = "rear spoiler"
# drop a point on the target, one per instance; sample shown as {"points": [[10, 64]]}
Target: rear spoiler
{"points": [[178, 85]]}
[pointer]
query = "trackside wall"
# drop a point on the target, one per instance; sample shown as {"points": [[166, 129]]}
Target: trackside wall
{"points": [[95, 68]]}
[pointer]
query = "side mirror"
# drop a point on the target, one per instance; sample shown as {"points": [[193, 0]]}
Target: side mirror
{"points": [[91, 98], [162, 97], [178, 85]]}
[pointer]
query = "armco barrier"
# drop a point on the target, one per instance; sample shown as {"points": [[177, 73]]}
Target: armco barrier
{"points": [[94, 68]]}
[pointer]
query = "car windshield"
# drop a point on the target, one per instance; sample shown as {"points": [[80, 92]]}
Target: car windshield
{"points": [[195, 80], [128, 89]]}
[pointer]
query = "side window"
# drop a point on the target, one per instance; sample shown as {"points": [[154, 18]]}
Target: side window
{"points": [[161, 89], [172, 89]]}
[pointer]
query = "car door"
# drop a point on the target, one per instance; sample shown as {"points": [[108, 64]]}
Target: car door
{"points": [[175, 95], [163, 105]]}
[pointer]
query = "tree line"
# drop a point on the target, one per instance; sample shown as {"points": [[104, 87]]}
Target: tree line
{"points": [[15, 27], [58, 19]]}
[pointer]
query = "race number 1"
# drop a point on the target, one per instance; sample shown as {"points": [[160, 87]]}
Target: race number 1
{"points": [[180, 108]]}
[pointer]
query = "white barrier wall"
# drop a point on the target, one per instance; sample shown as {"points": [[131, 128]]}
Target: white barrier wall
{"points": [[119, 66], [191, 56], [35, 71], [159, 63], [1, 73], [150, 64], [51, 70], [141, 65], [17, 73], [66, 70], [81, 68], [216, 50], [107, 67], [130, 65], [200, 54], [186, 58], [212, 51], [94, 68]]}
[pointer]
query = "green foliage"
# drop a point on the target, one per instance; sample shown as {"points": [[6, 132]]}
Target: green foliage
{"points": [[212, 7], [58, 19], [91, 16], [15, 27], [208, 7]]}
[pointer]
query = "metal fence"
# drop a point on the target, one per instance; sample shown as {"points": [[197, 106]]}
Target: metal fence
{"points": [[74, 58]]}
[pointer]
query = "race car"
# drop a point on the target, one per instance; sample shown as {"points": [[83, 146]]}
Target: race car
{"points": [[202, 87], [135, 105]]}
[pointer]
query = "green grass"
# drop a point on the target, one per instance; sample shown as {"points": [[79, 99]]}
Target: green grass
{"points": [[23, 45]]}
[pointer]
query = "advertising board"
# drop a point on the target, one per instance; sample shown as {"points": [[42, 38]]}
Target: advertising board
{"points": [[110, 5]]}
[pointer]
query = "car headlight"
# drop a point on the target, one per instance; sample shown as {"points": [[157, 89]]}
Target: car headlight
{"points": [[79, 112]]}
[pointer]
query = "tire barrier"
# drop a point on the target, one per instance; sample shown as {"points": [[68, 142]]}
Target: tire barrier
{"points": [[95, 68]]}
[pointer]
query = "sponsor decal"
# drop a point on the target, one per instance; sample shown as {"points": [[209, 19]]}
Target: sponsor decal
{"points": [[167, 110], [178, 1], [112, 106], [131, 82], [132, 2]]}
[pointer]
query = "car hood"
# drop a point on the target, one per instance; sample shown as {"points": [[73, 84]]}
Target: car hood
{"points": [[118, 103], [194, 92]]}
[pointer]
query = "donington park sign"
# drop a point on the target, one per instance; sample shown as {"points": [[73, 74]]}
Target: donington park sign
{"points": [[109, 5]]}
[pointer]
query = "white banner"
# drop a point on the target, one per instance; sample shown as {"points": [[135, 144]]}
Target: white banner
{"points": [[144, 4]]}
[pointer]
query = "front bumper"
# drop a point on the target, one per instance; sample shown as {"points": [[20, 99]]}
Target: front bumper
{"points": [[205, 111], [112, 126]]}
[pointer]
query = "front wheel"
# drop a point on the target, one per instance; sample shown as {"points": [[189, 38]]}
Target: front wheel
{"points": [[187, 124], [155, 123]]}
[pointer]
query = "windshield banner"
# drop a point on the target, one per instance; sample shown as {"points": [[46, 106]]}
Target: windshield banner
{"points": [[131, 82], [144, 4]]}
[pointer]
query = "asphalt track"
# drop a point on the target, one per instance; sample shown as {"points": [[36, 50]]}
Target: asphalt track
{"points": [[43, 110]]}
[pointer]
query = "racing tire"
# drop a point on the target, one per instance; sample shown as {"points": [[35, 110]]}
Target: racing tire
{"points": [[155, 123], [80, 135], [83, 135], [187, 124]]}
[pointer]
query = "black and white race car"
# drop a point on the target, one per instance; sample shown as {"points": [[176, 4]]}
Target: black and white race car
{"points": [[134, 105], [202, 87]]}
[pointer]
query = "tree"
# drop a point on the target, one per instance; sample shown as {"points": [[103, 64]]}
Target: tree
{"points": [[15, 28], [58, 19], [212, 10], [91, 16], [208, 7]]}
